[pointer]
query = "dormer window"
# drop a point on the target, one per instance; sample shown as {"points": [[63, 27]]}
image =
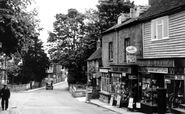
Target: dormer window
{"points": [[159, 28]]}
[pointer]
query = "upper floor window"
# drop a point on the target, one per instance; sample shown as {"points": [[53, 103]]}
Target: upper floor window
{"points": [[159, 28], [110, 51], [126, 44]]}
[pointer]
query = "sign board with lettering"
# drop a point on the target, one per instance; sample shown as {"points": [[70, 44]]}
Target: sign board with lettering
{"points": [[157, 70], [131, 58], [111, 100], [131, 49], [104, 70], [130, 103], [118, 100]]}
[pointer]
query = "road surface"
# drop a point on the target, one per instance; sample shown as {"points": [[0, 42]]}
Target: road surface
{"points": [[57, 101]]}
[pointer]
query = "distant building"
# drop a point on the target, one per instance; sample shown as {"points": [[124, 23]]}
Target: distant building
{"points": [[56, 72], [94, 62]]}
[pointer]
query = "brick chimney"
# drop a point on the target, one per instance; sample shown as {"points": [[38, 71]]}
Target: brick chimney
{"points": [[98, 44]]}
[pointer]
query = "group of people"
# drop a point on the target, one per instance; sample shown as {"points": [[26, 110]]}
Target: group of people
{"points": [[4, 95]]}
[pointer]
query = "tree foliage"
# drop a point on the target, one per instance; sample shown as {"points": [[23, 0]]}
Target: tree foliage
{"points": [[16, 25], [74, 37], [69, 30], [35, 63], [110, 10]]}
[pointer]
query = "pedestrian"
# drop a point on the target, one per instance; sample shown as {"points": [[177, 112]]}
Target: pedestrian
{"points": [[5, 95]]}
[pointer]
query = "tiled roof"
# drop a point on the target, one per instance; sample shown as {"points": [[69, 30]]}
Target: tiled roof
{"points": [[159, 9], [121, 25], [96, 55]]}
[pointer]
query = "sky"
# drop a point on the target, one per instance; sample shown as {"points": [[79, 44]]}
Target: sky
{"points": [[47, 9]]}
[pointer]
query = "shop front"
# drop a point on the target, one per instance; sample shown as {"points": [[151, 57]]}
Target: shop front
{"points": [[162, 82], [105, 88], [124, 84]]}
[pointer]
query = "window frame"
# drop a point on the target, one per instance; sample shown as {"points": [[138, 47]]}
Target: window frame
{"points": [[155, 25], [110, 51], [126, 44], [106, 83]]}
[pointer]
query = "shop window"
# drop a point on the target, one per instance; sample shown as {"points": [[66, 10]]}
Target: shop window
{"points": [[106, 86], [159, 28], [150, 84], [175, 93], [120, 87]]}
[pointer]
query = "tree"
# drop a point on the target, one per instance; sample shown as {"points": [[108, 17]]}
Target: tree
{"points": [[35, 63], [68, 49], [16, 25], [110, 10], [101, 20]]}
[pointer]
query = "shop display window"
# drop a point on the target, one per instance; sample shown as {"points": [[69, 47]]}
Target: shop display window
{"points": [[150, 83], [175, 93], [106, 83], [120, 87]]}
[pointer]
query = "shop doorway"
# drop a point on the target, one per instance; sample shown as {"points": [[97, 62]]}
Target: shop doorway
{"points": [[175, 93]]}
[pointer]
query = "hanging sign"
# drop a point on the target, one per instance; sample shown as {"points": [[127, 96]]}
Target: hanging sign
{"points": [[131, 49], [131, 59]]}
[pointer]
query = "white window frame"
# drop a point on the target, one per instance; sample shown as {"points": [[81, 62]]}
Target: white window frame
{"points": [[154, 36], [105, 83]]}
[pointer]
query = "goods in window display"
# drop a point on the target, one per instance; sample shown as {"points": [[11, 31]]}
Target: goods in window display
{"points": [[153, 93], [175, 91], [122, 90]]}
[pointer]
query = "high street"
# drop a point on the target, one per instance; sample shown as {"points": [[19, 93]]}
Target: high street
{"points": [[57, 101]]}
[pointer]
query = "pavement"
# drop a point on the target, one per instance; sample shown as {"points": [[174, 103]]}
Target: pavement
{"points": [[97, 102]]}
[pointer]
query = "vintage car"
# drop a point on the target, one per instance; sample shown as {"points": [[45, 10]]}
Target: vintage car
{"points": [[49, 83]]}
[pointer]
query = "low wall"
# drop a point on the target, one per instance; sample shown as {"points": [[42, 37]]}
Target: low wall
{"points": [[24, 87], [20, 87]]}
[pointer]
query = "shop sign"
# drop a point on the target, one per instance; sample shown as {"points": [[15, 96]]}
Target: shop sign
{"points": [[104, 70], [130, 103], [157, 62], [116, 75], [118, 100], [131, 58], [122, 69], [132, 77], [179, 77], [157, 70], [131, 49]]}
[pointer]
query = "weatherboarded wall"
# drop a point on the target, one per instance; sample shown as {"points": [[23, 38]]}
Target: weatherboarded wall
{"points": [[174, 46]]}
